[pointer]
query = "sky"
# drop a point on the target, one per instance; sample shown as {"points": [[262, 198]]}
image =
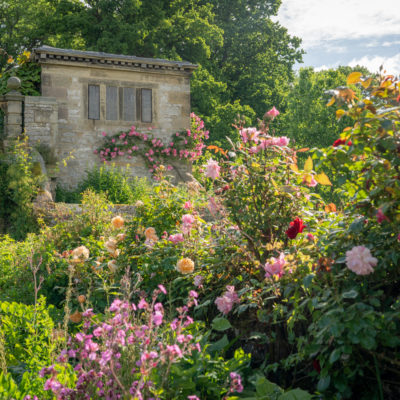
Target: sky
{"points": [[345, 32]]}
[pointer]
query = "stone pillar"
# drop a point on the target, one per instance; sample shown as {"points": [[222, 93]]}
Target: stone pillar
{"points": [[13, 109]]}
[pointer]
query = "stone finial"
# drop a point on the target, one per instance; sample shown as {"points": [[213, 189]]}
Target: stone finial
{"points": [[14, 83]]}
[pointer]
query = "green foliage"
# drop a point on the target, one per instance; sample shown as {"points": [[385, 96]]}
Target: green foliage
{"points": [[245, 59], [115, 182], [23, 68], [222, 120], [19, 186], [28, 339], [307, 119]]}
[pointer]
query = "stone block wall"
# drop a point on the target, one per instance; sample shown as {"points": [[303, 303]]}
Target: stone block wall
{"points": [[60, 118], [41, 120]]}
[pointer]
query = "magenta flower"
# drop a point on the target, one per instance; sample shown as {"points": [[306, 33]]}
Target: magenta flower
{"points": [[162, 288], [188, 205], [380, 216], [236, 382], [158, 318], [212, 169]]}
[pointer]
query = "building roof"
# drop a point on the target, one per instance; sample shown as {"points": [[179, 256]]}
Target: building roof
{"points": [[47, 54]]}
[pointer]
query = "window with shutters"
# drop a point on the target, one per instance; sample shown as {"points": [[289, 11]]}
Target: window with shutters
{"points": [[122, 103]]}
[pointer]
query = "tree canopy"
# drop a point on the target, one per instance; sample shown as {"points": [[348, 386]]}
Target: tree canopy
{"points": [[245, 59]]}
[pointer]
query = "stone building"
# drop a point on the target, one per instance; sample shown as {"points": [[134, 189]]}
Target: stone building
{"points": [[84, 93]]}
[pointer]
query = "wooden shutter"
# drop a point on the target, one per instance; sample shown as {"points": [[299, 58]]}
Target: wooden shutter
{"points": [[94, 102], [111, 103], [146, 105], [128, 104]]}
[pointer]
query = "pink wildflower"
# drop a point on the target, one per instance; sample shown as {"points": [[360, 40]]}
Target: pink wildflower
{"points": [[311, 183]]}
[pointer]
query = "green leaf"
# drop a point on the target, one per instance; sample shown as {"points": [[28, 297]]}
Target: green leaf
{"points": [[219, 345], [221, 324], [323, 383], [335, 355], [295, 394], [351, 294], [264, 387]]}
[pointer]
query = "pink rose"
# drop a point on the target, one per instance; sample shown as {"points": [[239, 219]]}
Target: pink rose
{"points": [[212, 169], [275, 267], [272, 113]]}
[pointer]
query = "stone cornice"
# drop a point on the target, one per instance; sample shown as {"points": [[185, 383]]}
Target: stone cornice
{"points": [[52, 55]]}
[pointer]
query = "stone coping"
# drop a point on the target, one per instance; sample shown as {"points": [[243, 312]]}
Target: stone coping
{"points": [[47, 54]]}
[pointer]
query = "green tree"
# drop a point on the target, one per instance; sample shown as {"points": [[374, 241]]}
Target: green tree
{"points": [[258, 55], [307, 119], [245, 59]]}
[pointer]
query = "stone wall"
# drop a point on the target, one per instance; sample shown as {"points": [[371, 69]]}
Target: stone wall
{"points": [[41, 120], [66, 76]]}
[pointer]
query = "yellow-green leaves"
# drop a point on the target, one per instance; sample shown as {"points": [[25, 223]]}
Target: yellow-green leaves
{"points": [[323, 179], [354, 77], [308, 166]]}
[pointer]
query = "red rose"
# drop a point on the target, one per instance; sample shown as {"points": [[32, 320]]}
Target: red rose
{"points": [[295, 227], [338, 142]]}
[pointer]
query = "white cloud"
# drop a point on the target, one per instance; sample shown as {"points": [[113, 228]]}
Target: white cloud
{"points": [[390, 64], [390, 44], [316, 21]]}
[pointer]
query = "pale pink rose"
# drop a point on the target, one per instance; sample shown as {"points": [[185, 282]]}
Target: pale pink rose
{"points": [[275, 267], [283, 141], [227, 300], [224, 304], [188, 219], [359, 260], [212, 169], [248, 134], [178, 237], [188, 205], [272, 113], [254, 150]]}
